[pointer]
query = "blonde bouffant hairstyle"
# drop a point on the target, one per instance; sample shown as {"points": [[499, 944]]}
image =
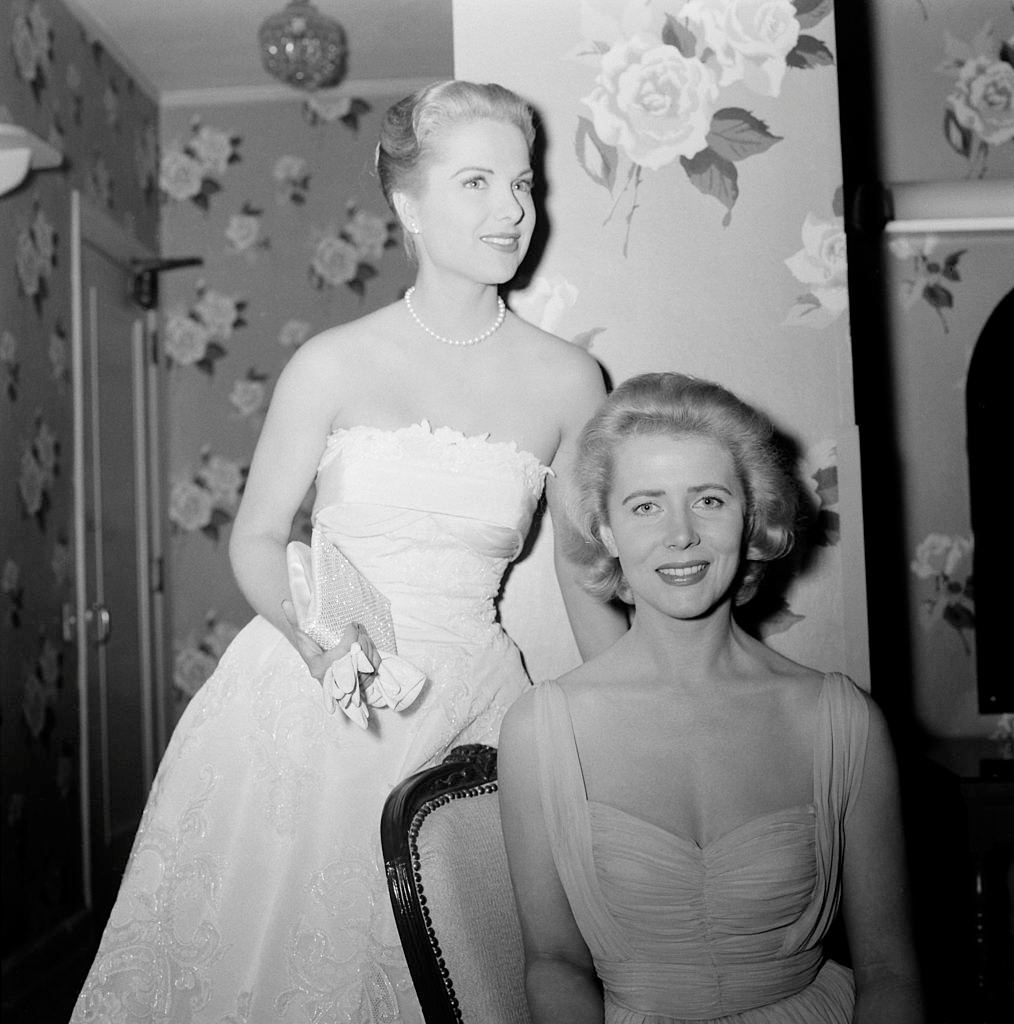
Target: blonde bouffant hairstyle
{"points": [[675, 405], [410, 125]]}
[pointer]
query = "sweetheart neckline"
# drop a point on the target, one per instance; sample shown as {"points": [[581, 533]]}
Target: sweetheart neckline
{"points": [[425, 425], [808, 808]]}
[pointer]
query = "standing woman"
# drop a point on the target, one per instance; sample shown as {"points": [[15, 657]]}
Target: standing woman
{"points": [[255, 890], [685, 813]]}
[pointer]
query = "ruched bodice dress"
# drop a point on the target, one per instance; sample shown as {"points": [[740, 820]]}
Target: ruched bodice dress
{"points": [[255, 890], [731, 931]]}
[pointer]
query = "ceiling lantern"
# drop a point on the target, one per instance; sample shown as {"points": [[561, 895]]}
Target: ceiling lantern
{"points": [[302, 47]]}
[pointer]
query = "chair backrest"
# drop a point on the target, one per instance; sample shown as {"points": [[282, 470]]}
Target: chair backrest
{"points": [[451, 892]]}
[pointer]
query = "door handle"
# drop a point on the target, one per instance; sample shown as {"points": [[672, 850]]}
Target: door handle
{"points": [[97, 617]]}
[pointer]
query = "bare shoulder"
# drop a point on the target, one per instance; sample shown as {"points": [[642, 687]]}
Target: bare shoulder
{"points": [[559, 363]]}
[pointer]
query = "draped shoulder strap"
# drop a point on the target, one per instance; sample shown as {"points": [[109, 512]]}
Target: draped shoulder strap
{"points": [[568, 821], [839, 755]]}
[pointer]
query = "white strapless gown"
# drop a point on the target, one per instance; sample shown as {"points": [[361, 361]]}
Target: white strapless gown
{"points": [[255, 891]]}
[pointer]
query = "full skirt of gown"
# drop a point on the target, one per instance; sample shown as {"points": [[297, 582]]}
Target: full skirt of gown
{"points": [[255, 891]]}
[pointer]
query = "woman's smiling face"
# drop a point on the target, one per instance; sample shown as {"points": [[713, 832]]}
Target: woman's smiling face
{"points": [[676, 513], [474, 210]]}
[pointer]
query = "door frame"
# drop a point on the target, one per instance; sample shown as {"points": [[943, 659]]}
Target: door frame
{"points": [[93, 227]]}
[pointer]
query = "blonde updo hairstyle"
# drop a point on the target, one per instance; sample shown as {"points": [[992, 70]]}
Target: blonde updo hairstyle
{"points": [[410, 124], [675, 405]]}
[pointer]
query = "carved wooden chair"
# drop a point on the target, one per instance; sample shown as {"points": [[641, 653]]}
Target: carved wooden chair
{"points": [[450, 890]]}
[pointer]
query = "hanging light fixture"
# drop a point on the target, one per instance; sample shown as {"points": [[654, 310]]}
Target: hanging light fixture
{"points": [[303, 47]]}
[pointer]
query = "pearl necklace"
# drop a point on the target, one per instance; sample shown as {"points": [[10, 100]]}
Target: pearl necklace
{"points": [[501, 314]]}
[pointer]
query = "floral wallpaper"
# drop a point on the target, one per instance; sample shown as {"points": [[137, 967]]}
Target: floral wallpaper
{"points": [[280, 203], [945, 75], [695, 201], [61, 84], [941, 292]]}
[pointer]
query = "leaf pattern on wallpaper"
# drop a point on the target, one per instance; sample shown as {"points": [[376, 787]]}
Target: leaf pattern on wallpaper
{"points": [[207, 500], [195, 337], [661, 72], [931, 276], [944, 565], [979, 111], [822, 266], [193, 170], [10, 367], [819, 472], [348, 255]]}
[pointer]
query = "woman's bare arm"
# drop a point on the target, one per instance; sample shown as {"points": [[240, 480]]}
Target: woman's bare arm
{"points": [[285, 461], [596, 625], [560, 979], [875, 893]]}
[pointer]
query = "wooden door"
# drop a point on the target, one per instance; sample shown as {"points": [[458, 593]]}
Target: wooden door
{"points": [[117, 621]]}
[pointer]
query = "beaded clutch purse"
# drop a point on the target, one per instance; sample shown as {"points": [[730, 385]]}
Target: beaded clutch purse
{"points": [[329, 593]]}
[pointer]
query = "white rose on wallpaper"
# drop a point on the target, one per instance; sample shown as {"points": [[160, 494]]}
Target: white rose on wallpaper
{"points": [[932, 277], [945, 563], [47, 449], [369, 233], [190, 506], [28, 264], [293, 333], [243, 231], [34, 705], [217, 635], [249, 394], [44, 237], [939, 553], [48, 665], [219, 313], [748, 39], [335, 261], [213, 148], [983, 100], [822, 265], [327, 110], [42, 31], [198, 656], [26, 51], [192, 668], [186, 339], [31, 484], [652, 102], [545, 301], [8, 347], [61, 563], [292, 178], [180, 175], [10, 577], [99, 182], [223, 479]]}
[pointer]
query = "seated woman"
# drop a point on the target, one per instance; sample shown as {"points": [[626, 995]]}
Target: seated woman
{"points": [[684, 813]]}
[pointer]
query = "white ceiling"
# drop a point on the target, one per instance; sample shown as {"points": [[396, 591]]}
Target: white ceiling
{"points": [[180, 49]]}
